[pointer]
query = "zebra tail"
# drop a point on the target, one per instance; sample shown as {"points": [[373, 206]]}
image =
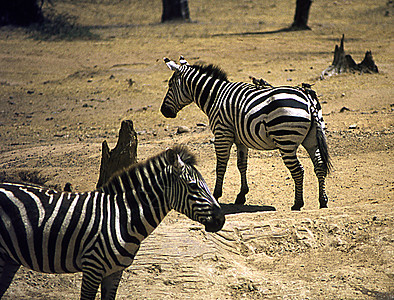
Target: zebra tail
{"points": [[323, 148], [316, 111]]}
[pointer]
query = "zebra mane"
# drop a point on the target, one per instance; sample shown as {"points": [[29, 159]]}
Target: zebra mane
{"points": [[211, 70], [186, 156]]}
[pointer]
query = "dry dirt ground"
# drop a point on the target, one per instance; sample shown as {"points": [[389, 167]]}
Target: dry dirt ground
{"points": [[59, 99]]}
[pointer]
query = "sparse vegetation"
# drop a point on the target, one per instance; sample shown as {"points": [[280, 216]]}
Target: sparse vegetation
{"points": [[60, 26], [24, 175]]}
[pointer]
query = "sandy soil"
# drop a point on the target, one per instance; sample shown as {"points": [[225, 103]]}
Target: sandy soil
{"points": [[59, 99]]}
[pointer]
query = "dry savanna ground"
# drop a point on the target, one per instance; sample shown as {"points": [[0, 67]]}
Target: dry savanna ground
{"points": [[61, 97]]}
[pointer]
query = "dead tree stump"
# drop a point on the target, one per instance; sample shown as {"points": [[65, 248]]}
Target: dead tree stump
{"points": [[345, 63], [122, 156]]}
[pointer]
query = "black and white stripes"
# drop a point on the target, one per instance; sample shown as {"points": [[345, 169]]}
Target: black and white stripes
{"points": [[99, 233], [252, 117]]}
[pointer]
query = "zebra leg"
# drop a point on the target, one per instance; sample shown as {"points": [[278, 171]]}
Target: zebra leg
{"points": [[109, 285], [242, 164], [311, 146], [8, 268], [321, 174], [91, 280], [297, 172], [222, 149]]}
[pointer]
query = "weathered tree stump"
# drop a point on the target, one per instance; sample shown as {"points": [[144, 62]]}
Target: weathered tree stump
{"points": [[345, 63], [122, 156]]}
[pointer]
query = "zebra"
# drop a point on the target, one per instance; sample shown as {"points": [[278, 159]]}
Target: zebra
{"points": [[99, 233], [263, 118]]}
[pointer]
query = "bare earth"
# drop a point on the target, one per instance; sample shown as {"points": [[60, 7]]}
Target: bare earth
{"points": [[60, 99]]}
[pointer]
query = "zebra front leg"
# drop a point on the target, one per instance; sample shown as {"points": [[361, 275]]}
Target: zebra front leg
{"points": [[8, 268], [109, 285], [91, 280], [242, 164], [222, 149], [297, 173]]}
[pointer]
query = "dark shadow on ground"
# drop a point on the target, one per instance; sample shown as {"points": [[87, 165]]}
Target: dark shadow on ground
{"points": [[229, 209], [286, 29], [375, 294]]}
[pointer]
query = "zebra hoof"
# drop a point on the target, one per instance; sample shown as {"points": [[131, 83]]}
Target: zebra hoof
{"points": [[323, 202], [297, 207]]}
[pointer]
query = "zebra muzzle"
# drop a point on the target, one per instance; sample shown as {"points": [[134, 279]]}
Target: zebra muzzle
{"points": [[214, 222], [167, 112]]}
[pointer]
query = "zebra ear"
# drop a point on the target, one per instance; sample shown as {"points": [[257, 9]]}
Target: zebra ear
{"points": [[171, 64], [178, 165], [183, 61], [175, 161]]}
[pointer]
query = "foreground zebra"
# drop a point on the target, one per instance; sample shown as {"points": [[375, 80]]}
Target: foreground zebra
{"points": [[252, 117], [99, 233]]}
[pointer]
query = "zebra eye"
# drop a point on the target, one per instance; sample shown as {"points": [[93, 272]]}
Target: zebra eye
{"points": [[193, 185]]}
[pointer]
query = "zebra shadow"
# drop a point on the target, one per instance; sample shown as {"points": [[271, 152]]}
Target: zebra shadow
{"points": [[229, 209]]}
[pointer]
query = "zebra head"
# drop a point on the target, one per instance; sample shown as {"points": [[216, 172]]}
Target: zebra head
{"points": [[190, 194], [177, 95]]}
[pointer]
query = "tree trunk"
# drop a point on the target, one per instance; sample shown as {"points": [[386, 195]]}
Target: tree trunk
{"points": [[301, 15], [20, 12], [122, 156], [175, 10]]}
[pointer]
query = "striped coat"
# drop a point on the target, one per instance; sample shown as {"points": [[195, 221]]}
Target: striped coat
{"points": [[252, 117], [99, 233]]}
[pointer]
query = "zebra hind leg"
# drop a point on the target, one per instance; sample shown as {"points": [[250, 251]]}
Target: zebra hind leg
{"points": [[109, 285], [8, 268], [242, 164], [321, 168], [321, 173], [297, 173]]}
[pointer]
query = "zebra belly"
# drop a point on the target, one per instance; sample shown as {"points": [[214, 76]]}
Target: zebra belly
{"points": [[40, 261], [259, 140]]}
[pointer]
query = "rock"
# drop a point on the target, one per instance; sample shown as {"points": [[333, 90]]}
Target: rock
{"points": [[182, 129], [343, 109]]}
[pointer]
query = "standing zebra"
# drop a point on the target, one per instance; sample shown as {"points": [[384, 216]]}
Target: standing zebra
{"points": [[252, 117], [99, 233]]}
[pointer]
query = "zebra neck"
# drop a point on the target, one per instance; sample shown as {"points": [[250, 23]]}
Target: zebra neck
{"points": [[204, 90], [142, 189]]}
